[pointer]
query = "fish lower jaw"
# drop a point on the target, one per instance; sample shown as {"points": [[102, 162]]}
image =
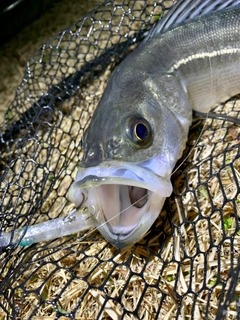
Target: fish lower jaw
{"points": [[118, 236]]}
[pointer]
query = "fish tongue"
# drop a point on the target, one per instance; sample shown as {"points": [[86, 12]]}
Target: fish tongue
{"points": [[138, 196], [120, 206]]}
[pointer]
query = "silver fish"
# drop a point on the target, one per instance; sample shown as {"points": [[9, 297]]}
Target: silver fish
{"points": [[140, 127]]}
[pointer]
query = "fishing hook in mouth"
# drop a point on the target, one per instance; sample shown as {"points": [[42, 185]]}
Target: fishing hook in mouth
{"points": [[84, 198], [70, 217]]}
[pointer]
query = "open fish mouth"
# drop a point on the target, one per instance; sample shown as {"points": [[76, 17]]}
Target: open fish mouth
{"points": [[124, 199]]}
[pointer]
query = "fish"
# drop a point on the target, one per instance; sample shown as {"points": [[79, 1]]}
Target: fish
{"points": [[189, 61]]}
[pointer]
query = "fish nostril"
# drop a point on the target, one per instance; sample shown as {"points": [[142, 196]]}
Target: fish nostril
{"points": [[93, 157]]}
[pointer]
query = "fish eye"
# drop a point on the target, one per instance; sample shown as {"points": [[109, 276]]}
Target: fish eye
{"points": [[139, 131]]}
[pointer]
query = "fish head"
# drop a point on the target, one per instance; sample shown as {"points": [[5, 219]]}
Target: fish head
{"points": [[130, 149]]}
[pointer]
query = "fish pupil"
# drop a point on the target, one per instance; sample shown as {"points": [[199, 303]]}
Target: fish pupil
{"points": [[141, 131]]}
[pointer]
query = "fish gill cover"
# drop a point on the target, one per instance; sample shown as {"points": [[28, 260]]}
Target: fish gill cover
{"points": [[186, 267]]}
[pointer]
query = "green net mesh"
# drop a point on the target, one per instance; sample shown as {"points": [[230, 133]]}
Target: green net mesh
{"points": [[186, 267]]}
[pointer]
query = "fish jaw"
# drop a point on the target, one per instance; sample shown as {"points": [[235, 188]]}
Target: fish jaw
{"points": [[124, 198]]}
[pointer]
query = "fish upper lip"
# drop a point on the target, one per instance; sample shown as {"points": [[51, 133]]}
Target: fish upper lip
{"points": [[121, 173]]}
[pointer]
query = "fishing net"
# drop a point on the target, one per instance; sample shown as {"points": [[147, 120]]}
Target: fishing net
{"points": [[186, 267]]}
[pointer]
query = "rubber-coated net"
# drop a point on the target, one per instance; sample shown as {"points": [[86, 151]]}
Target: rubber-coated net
{"points": [[186, 267]]}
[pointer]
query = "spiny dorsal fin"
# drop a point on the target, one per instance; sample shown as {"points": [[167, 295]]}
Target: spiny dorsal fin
{"points": [[185, 10]]}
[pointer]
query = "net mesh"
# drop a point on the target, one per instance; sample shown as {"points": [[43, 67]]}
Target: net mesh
{"points": [[186, 267]]}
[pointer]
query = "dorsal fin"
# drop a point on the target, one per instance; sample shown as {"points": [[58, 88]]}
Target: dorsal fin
{"points": [[185, 10]]}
